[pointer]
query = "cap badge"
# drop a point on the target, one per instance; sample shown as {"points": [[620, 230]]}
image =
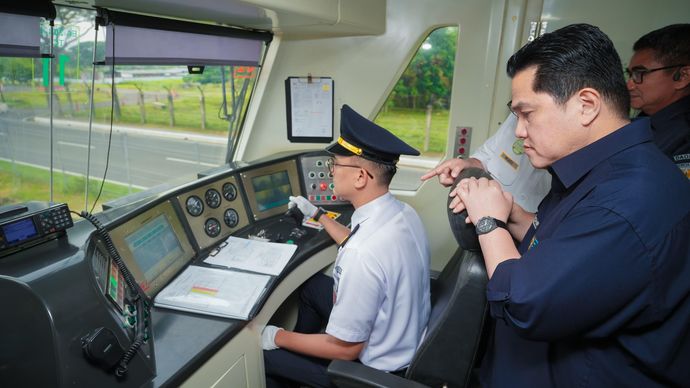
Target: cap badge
{"points": [[349, 147]]}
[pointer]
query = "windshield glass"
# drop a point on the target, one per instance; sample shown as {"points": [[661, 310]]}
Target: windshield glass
{"points": [[151, 126]]}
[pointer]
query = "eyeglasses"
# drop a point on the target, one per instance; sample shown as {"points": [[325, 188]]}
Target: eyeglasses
{"points": [[637, 74], [510, 108], [516, 113], [330, 163]]}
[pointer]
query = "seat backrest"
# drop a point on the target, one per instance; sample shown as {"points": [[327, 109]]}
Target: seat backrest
{"points": [[458, 312], [458, 309]]}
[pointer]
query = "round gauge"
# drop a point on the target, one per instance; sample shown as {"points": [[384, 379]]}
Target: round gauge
{"points": [[231, 218], [229, 191], [212, 227], [194, 206], [212, 198]]}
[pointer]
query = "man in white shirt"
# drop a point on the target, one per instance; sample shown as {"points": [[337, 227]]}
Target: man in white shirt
{"points": [[377, 304], [503, 157]]}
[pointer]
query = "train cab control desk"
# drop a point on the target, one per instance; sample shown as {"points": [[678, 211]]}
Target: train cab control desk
{"points": [[77, 305]]}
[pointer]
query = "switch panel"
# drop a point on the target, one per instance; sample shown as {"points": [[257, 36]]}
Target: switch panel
{"points": [[318, 181], [461, 145]]}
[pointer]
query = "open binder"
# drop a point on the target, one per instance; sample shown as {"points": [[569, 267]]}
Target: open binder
{"points": [[228, 289]]}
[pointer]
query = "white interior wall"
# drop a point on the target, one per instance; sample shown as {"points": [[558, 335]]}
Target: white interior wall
{"points": [[365, 69]]}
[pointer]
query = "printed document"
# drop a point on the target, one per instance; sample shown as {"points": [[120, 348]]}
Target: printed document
{"points": [[252, 255]]}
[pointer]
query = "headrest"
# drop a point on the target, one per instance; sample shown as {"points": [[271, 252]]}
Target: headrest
{"points": [[464, 233]]}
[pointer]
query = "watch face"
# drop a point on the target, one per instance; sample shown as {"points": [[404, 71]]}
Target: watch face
{"points": [[485, 225]]}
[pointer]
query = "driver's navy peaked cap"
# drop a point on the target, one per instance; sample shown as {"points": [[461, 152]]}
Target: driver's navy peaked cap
{"points": [[359, 136]]}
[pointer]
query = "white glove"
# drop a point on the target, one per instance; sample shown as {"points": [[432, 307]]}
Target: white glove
{"points": [[304, 206], [268, 337]]}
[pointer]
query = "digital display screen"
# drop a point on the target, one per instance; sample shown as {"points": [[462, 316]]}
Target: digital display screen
{"points": [[155, 248], [19, 231], [272, 190]]}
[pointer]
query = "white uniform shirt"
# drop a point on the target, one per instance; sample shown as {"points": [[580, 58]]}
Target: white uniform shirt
{"points": [[381, 284], [503, 156]]}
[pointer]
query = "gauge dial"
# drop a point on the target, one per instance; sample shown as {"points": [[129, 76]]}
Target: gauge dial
{"points": [[194, 206], [231, 218], [212, 198], [212, 227], [229, 191]]}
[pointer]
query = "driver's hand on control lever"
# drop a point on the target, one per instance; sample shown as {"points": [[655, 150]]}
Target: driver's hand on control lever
{"points": [[306, 207]]}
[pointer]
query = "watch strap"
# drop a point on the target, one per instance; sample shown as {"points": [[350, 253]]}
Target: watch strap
{"points": [[319, 212], [501, 224]]}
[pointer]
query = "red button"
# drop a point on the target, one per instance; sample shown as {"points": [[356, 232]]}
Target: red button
{"points": [[334, 198], [463, 140], [461, 150], [463, 131], [323, 186]]}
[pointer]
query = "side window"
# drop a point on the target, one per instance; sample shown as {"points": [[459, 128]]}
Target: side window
{"points": [[417, 108]]}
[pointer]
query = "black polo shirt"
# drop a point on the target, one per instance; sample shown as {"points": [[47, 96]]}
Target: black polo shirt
{"points": [[601, 294], [671, 131]]}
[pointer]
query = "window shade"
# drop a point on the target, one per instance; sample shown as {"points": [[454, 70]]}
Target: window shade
{"points": [[20, 35], [142, 46], [137, 39]]}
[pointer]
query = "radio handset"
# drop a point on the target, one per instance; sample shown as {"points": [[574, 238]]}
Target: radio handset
{"points": [[101, 345]]}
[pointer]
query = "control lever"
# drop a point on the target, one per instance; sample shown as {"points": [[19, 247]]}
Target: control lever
{"points": [[295, 214]]}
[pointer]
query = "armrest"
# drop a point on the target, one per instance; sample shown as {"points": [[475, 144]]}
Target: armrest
{"points": [[349, 374]]}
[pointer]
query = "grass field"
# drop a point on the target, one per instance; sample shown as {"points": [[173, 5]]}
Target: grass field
{"points": [[187, 106], [19, 183], [409, 125]]}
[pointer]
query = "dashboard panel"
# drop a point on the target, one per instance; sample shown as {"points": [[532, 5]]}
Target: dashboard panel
{"points": [[214, 211], [268, 188], [154, 246]]}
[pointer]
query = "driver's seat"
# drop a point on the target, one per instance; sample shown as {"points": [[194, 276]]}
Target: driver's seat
{"points": [[448, 352]]}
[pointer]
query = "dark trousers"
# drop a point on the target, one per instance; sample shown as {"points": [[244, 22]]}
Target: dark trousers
{"points": [[285, 368]]}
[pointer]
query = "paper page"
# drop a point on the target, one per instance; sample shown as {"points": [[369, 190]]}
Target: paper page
{"points": [[213, 291], [251, 255], [312, 107]]}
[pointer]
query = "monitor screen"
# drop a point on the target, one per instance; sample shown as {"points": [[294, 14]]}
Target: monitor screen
{"points": [[271, 190], [156, 250]]}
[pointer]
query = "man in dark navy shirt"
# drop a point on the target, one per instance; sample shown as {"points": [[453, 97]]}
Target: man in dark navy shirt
{"points": [[598, 292], [659, 85]]}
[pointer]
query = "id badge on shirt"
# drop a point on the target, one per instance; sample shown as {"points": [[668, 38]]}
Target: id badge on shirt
{"points": [[505, 167]]}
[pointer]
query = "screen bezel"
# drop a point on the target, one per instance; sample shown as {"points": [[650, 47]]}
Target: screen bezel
{"points": [[119, 234], [289, 166]]}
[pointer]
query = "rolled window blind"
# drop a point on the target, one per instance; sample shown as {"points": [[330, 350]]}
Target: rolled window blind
{"points": [[142, 46], [144, 40], [20, 35]]}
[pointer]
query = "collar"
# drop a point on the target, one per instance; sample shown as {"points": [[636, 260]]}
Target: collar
{"points": [[369, 209], [573, 167], [661, 118]]}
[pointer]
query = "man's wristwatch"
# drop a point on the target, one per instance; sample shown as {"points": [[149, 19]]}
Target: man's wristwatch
{"points": [[319, 213], [487, 224]]}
